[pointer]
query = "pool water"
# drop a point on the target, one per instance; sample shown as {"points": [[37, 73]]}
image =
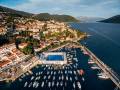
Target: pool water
{"points": [[55, 57]]}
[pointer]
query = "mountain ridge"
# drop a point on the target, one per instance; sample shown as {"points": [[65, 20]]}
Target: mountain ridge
{"points": [[41, 16], [114, 19]]}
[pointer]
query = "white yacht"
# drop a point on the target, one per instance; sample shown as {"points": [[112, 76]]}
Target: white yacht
{"points": [[95, 67], [49, 84], [91, 61], [102, 76], [83, 78], [32, 77], [25, 84], [79, 85], [74, 85], [42, 85], [30, 84], [61, 83]]}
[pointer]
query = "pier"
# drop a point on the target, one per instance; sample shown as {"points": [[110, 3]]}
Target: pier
{"points": [[109, 72]]}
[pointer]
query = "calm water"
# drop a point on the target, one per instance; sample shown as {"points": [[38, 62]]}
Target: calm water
{"points": [[104, 42]]}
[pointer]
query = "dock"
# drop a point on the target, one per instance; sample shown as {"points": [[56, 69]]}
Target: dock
{"points": [[105, 68]]}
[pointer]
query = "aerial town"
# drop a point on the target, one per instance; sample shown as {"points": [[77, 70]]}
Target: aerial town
{"points": [[59, 45], [30, 37]]}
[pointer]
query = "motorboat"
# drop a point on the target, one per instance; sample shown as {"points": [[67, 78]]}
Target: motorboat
{"points": [[25, 84], [79, 85]]}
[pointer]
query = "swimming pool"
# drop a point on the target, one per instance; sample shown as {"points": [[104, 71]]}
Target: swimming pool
{"points": [[55, 58]]}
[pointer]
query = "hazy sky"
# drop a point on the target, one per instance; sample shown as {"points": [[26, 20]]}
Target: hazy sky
{"points": [[94, 8]]}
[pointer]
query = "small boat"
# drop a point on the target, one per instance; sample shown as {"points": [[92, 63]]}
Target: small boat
{"points": [[70, 72], [49, 77], [48, 72], [59, 78], [30, 84], [61, 83], [34, 84], [81, 72], [57, 84], [91, 61], [32, 77], [75, 72], [49, 84], [37, 85], [83, 78], [51, 72], [44, 77], [103, 76], [74, 85], [70, 79], [25, 84], [76, 78], [95, 67], [66, 77], [62, 77], [42, 85], [79, 85], [53, 77], [65, 72], [20, 79]]}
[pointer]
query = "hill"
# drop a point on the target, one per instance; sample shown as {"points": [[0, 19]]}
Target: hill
{"points": [[114, 19], [14, 13], [47, 16], [41, 16]]}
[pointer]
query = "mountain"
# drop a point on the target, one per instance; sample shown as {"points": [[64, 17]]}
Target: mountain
{"points": [[114, 19], [47, 16], [14, 13], [41, 16], [89, 19]]}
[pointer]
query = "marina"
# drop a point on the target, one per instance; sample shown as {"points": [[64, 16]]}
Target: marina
{"points": [[72, 76]]}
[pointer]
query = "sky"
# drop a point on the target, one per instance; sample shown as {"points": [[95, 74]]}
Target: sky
{"points": [[90, 8]]}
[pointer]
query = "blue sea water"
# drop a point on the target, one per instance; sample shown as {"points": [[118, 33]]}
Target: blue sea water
{"points": [[104, 42]]}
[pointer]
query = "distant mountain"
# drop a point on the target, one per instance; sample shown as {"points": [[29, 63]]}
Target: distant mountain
{"points": [[89, 19], [41, 16], [47, 16], [114, 19]]}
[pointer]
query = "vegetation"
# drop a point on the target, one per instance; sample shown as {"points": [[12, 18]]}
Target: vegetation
{"points": [[52, 46], [28, 49], [47, 17], [15, 13], [42, 36], [25, 33], [42, 17], [30, 40], [3, 40], [79, 33]]}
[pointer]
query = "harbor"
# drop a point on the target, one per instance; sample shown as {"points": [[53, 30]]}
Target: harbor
{"points": [[75, 75]]}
